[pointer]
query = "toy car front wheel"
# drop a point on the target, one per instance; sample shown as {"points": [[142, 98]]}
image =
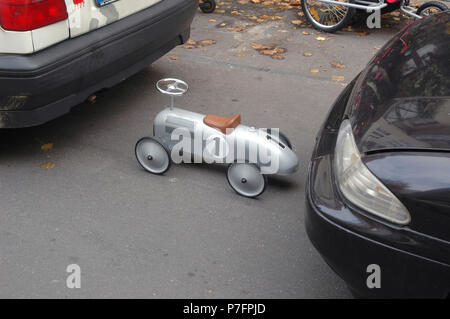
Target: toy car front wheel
{"points": [[152, 155], [246, 179]]}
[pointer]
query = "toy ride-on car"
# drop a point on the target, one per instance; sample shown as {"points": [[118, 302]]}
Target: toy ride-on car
{"points": [[180, 136]]}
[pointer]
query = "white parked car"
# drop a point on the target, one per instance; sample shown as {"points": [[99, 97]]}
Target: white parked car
{"points": [[56, 53]]}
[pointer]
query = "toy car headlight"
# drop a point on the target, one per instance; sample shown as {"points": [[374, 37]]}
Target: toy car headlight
{"points": [[359, 185]]}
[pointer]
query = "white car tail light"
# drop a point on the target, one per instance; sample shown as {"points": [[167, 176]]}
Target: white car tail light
{"points": [[26, 15]]}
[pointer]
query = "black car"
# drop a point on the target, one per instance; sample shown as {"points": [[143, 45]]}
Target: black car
{"points": [[378, 189]]}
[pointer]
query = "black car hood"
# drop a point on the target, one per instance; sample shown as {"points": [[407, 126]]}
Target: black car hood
{"points": [[402, 99]]}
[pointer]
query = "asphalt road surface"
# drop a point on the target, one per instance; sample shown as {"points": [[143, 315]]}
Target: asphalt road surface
{"points": [[185, 234]]}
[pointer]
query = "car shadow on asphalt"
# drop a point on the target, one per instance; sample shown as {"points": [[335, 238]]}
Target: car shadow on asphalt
{"points": [[88, 118]]}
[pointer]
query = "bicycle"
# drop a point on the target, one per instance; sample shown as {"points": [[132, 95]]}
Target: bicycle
{"points": [[333, 15]]}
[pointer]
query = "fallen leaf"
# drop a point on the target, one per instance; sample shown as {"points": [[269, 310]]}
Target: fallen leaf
{"points": [[314, 71], [337, 78], [47, 147], [48, 165], [337, 65], [274, 51], [258, 46], [321, 39], [307, 54], [238, 29], [206, 42], [277, 57], [268, 52], [173, 58]]}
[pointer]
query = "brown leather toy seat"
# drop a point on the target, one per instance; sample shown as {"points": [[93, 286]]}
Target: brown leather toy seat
{"points": [[222, 122]]}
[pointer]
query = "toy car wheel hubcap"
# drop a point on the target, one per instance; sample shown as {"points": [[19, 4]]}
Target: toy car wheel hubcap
{"points": [[246, 179], [152, 156]]}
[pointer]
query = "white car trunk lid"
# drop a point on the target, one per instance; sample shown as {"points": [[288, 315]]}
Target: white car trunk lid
{"points": [[87, 15]]}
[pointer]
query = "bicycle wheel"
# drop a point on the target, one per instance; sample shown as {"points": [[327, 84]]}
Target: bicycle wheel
{"points": [[430, 8], [327, 17]]}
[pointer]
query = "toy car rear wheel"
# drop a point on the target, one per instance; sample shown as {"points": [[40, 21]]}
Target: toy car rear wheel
{"points": [[430, 8], [246, 179], [152, 155]]}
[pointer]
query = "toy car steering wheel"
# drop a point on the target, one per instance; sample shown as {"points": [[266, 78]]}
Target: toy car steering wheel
{"points": [[173, 87]]}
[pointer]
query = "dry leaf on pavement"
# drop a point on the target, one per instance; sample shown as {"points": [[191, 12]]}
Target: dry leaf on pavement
{"points": [[47, 147], [48, 165], [238, 29], [337, 65], [258, 46], [337, 78], [206, 42]]}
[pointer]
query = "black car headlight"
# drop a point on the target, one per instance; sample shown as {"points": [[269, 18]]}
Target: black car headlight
{"points": [[360, 186]]}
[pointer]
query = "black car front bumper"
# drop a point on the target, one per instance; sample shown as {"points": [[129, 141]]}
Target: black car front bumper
{"points": [[412, 264], [42, 86]]}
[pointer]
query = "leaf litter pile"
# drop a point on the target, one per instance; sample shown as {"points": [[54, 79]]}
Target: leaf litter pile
{"points": [[254, 12], [251, 13]]}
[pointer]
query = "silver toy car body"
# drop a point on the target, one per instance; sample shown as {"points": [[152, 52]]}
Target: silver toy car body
{"points": [[183, 136]]}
